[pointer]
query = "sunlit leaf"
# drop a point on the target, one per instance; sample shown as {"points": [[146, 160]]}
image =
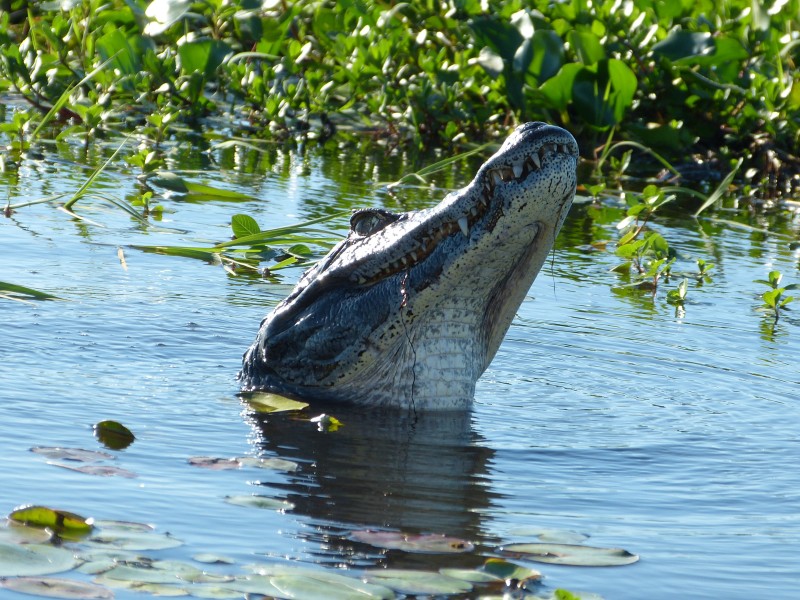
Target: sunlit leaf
{"points": [[267, 402], [571, 554], [244, 225], [59, 521], [215, 464]]}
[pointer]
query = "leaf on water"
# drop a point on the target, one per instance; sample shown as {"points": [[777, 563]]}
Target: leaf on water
{"points": [[213, 559], [309, 584], [278, 464], [130, 536], [555, 536], [73, 454], [113, 435], [98, 470], [215, 464], [207, 191], [59, 521], [12, 532], [417, 582], [429, 543], [51, 587], [21, 560], [257, 501], [571, 554], [267, 402]]}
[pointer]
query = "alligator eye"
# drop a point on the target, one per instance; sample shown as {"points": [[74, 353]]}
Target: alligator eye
{"points": [[371, 220]]}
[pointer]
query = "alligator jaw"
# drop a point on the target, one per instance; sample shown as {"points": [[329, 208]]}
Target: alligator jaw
{"points": [[418, 243]]}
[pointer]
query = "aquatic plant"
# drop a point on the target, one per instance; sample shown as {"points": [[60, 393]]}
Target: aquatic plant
{"points": [[774, 300]]}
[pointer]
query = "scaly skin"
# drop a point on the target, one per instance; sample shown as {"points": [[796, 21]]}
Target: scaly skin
{"points": [[410, 309]]}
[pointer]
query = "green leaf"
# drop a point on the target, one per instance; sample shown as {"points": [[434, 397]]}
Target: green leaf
{"points": [[52, 587], [16, 292], [203, 56], [267, 402], [243, 225], [113, 435], [59, 521], [18, 560]]}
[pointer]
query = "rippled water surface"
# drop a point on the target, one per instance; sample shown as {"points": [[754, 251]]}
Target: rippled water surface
{"points": [[676, 437]]}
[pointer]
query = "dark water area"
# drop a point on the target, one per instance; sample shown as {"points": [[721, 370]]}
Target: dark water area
{"points": [[675, 436]]}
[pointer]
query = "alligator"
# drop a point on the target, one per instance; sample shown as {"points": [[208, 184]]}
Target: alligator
{"points": [[410, 309]]}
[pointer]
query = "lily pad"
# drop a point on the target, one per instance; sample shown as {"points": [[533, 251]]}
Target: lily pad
{"points": [[268, 403], [24, 560], [98, 470], [414, 582], [59, 521], [127, 536], [51, 587], [494, 569], [552, 536], [215, 464], [432, 543], [572, 554], [72, 454], [309, 584], [113, 435], [257, 501], [278, 464]]}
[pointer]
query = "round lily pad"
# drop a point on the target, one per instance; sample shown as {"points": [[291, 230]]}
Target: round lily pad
{"points": [[51, 587], [257, 501], [72, 454], [20, 560], [432, 543], [414, 582], [572, 554], [113, 435]]}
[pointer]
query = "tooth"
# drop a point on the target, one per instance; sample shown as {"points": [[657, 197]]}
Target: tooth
{"points": [[474, 210], [413, 256], [536, 160], [462, 223], [517, 169], [496, 178]]}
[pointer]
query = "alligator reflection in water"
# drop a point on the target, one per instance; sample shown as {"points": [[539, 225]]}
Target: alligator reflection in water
{"points": [[383, 470]]}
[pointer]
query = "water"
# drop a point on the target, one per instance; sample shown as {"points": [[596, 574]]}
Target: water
{"points": [[672, 436]]}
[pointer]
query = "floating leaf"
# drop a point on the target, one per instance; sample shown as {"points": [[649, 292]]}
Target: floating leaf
{"points": [[309, 584], [73, 454], [278, 464], [131, 536], [113, 435], [267, 403], [213, 559], [19, 560], [432, 543], [51, 587], [215, 464], [98, 470], [572, 554], [16, 533], [417, 582], [256, 501], [555, 536], [59, 521]]}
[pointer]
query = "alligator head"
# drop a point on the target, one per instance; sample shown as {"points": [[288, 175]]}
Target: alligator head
{"points": [[410, 308]]}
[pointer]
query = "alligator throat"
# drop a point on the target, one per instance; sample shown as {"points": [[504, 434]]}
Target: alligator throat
{"points": [[410, 308]]}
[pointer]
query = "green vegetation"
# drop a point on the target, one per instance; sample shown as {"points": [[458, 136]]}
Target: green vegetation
{"points": [[687, 97], [774, 299], [687, 80]]}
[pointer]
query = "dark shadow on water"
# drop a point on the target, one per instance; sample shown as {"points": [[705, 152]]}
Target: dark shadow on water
{"points": [[383, 471]]}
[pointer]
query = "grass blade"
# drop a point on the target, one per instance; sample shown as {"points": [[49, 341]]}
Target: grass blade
{"points": [[721, 188]]}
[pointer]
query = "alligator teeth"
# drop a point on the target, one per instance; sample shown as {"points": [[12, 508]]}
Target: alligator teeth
{"points": [[464, 226], [496, 178], [506, 174], [517, 169], [536, 160]]}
